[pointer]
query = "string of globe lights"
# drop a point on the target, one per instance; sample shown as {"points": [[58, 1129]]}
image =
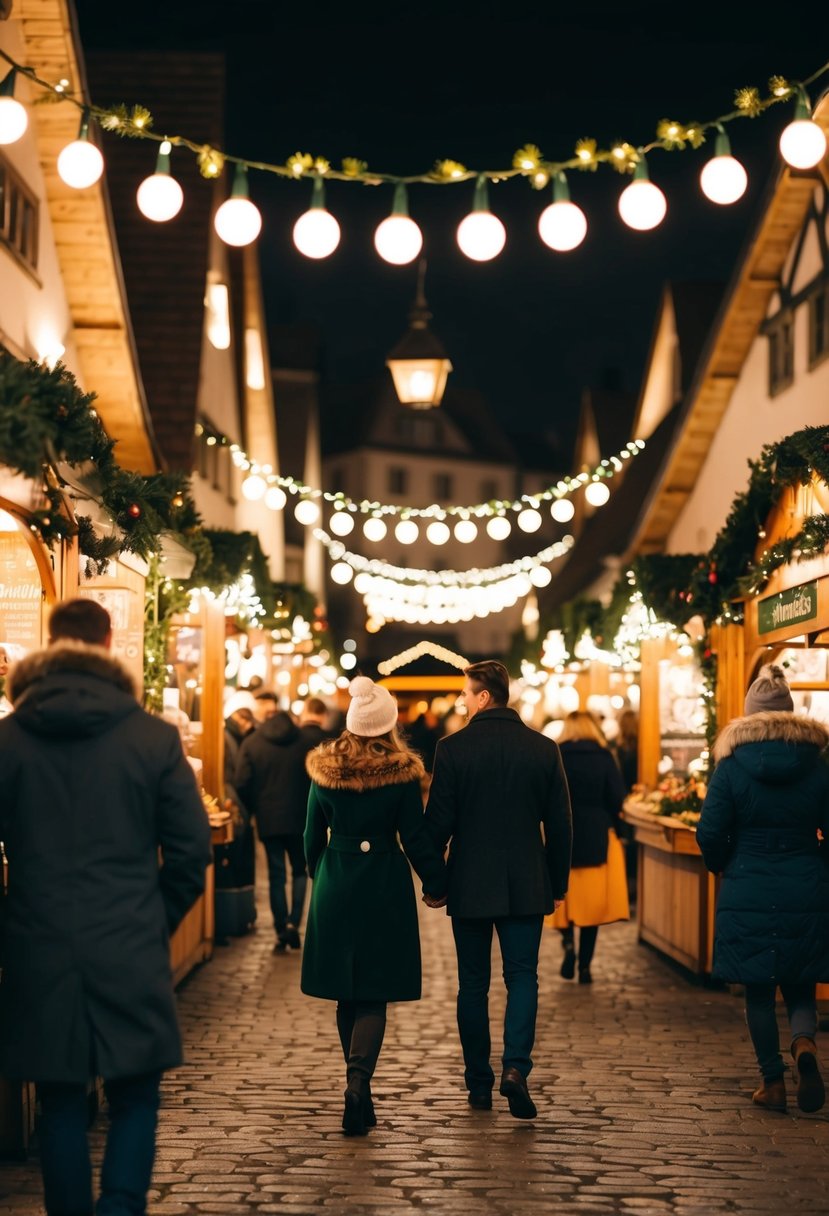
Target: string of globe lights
{"points": [[262, 483], [562, 225]]}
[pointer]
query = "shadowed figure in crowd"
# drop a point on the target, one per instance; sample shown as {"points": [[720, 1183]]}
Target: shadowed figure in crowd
{"points": [[92, 788]]}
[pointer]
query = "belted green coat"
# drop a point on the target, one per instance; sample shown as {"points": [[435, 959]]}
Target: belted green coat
{"points": [[362, 941]]}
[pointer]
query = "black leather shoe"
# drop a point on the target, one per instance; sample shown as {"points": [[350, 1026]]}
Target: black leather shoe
{"points": [[514, 1089], [368, 1109], [568, 966], [480, 1099], [354, 1114], [584, 976]]}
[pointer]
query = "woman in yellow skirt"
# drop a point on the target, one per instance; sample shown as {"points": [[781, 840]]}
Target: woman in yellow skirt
{"points": [[597, 894]]}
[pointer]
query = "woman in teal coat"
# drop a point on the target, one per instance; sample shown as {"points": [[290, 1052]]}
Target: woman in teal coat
{"points": [[362, 945]]}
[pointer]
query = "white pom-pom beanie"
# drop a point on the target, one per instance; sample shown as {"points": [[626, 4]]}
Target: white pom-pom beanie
{"points": [[373, 710]]}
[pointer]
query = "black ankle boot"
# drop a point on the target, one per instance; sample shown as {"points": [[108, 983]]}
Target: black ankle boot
{"points": [[368, 1109], [354, 1111]]}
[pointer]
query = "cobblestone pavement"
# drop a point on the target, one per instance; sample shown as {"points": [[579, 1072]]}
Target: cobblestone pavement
{"points": [[642, 1081]]}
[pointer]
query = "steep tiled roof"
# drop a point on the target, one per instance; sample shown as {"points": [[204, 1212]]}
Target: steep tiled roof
{"points": [[165, 265]]}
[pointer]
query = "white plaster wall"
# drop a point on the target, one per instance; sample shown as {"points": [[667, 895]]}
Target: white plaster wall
{"points": [[34, 316]]}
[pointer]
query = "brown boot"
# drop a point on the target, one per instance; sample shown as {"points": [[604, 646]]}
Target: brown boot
{"points": [[811, 1094], [771, 1094]]}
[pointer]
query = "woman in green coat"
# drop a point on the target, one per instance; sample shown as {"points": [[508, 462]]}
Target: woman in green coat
{"points": [[362, 946]]}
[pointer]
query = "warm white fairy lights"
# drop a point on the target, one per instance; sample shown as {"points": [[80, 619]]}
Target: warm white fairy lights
{"points": [[449, 657]]}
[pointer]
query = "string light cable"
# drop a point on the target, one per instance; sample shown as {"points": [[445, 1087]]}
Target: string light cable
{"points": [[562, 225]]}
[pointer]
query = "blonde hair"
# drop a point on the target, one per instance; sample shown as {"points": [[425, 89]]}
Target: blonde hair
{"points": [[581, 725], [351, 747]]}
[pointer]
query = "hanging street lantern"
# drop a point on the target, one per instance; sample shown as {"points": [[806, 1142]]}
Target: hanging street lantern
{"points": [[418, 363]]}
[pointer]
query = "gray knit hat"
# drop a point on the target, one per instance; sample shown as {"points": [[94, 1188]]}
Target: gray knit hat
{"points": [[769, 692]]}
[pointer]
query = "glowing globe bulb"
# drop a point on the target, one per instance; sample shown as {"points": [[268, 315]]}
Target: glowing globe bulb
{"points": [[438, 532], [307, 511], [316, 233], [374, 528], [160, 197], [407, 531], [275, 498], [398, 240], [498, 527], [466, 531], [642, 205], [13, 120], [597, 493], [481, 236], [803, 144], [341, 573], [238, 222], [529, 520], [341, 523], [562, 510], [540, 576], [80, 164], [253, 487], [562, 226], [723, 180]]}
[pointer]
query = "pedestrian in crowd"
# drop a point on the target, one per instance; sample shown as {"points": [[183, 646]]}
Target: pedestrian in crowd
{"points": [[266, 705], [92, 787], [423, 734], [235, 863], [765, 826], [312, 720], [597, 894], [363, 947], [626, 748], [495, 785], [273, 785]]}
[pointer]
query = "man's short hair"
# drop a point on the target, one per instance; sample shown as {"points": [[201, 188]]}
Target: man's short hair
{"points": [[243, 714], [266, 696], [316, 707], [492, 677], [82, 620]]}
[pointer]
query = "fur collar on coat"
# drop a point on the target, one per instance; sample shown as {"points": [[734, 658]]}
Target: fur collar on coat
{"points": [[68, 656], [778, 724], [335, 771]]}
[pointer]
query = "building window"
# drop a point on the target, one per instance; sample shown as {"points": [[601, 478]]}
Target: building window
{"points": [[489, 489], [781, 354], [18, 216], [819, 323], [419, 429], [398, 480], [442, 486]]}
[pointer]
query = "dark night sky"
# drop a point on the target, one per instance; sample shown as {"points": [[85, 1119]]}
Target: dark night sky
{"points": [[400, 86]]}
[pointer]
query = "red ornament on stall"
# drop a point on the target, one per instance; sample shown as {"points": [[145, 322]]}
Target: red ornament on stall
{"points": [[134, 510]]}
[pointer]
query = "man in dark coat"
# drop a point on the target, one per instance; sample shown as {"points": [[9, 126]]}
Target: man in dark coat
{"points": [[273, 785], [496, 785], [92, 788]]}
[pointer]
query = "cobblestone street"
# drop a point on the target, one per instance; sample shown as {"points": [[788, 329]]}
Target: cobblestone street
{"points": [[642, 1082]]}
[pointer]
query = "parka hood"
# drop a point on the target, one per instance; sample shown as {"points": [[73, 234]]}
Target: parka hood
{"points": [[279, 729], [775, 747], [71, 689], [335, 771]]}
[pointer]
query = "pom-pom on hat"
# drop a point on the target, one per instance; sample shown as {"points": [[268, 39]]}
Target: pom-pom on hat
{"points": [[769, 692], [373, 710]]}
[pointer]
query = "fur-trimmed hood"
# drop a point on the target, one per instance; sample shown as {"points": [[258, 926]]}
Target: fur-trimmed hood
{"points": [[335, 771], [70, 689], [773, 746]]}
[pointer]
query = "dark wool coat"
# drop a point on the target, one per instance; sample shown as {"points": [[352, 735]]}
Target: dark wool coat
{"points": [[766, 801], [92, 787], [596, 796], [496, 785], [362, 941], [271, 777]]}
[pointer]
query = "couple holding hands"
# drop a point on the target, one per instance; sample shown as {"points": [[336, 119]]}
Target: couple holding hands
{"points": [[495, 784]]}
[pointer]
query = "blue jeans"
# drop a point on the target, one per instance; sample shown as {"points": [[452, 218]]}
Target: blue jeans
{"points": [[276, 847], [128, 1158], [761, 1016], [519, 938]]}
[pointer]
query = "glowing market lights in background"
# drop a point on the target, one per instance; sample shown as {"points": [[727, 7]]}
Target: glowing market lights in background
{"points": [[307, 511], [341, 523], [398, 239], [803, 143], [275, 498], [160, 197], [374, 528], [14, 118], [723, 179], [642, 205], [562, 226], [316, 232], [481, 235], [597, 493], [562, 510], [238, 221], [80, 164]]}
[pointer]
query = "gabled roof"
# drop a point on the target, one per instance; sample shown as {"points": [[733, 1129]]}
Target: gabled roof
{"points": [[613, 411], [165, 265], [730, 339]]}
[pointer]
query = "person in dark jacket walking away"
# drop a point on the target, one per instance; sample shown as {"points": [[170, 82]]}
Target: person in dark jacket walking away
{"points": [[92, 787], [766, 803], [273, 785], [496, 785], [598, 890], [363, 944]]}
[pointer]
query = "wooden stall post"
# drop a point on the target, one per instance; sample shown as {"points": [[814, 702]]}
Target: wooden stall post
{"points": [[728, 641], [654, 650]]}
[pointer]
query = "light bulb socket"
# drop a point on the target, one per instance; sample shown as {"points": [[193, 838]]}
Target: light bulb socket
{"points": [[162, 163], [481, 199], [240, 183], [318, 195], [7, 83], [561, 191], [640, 173], [400, 205], [722, 144], [802, 107], [83, 129]]}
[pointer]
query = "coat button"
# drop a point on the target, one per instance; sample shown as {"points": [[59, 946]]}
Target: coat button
{"points": [[365, 846]]}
